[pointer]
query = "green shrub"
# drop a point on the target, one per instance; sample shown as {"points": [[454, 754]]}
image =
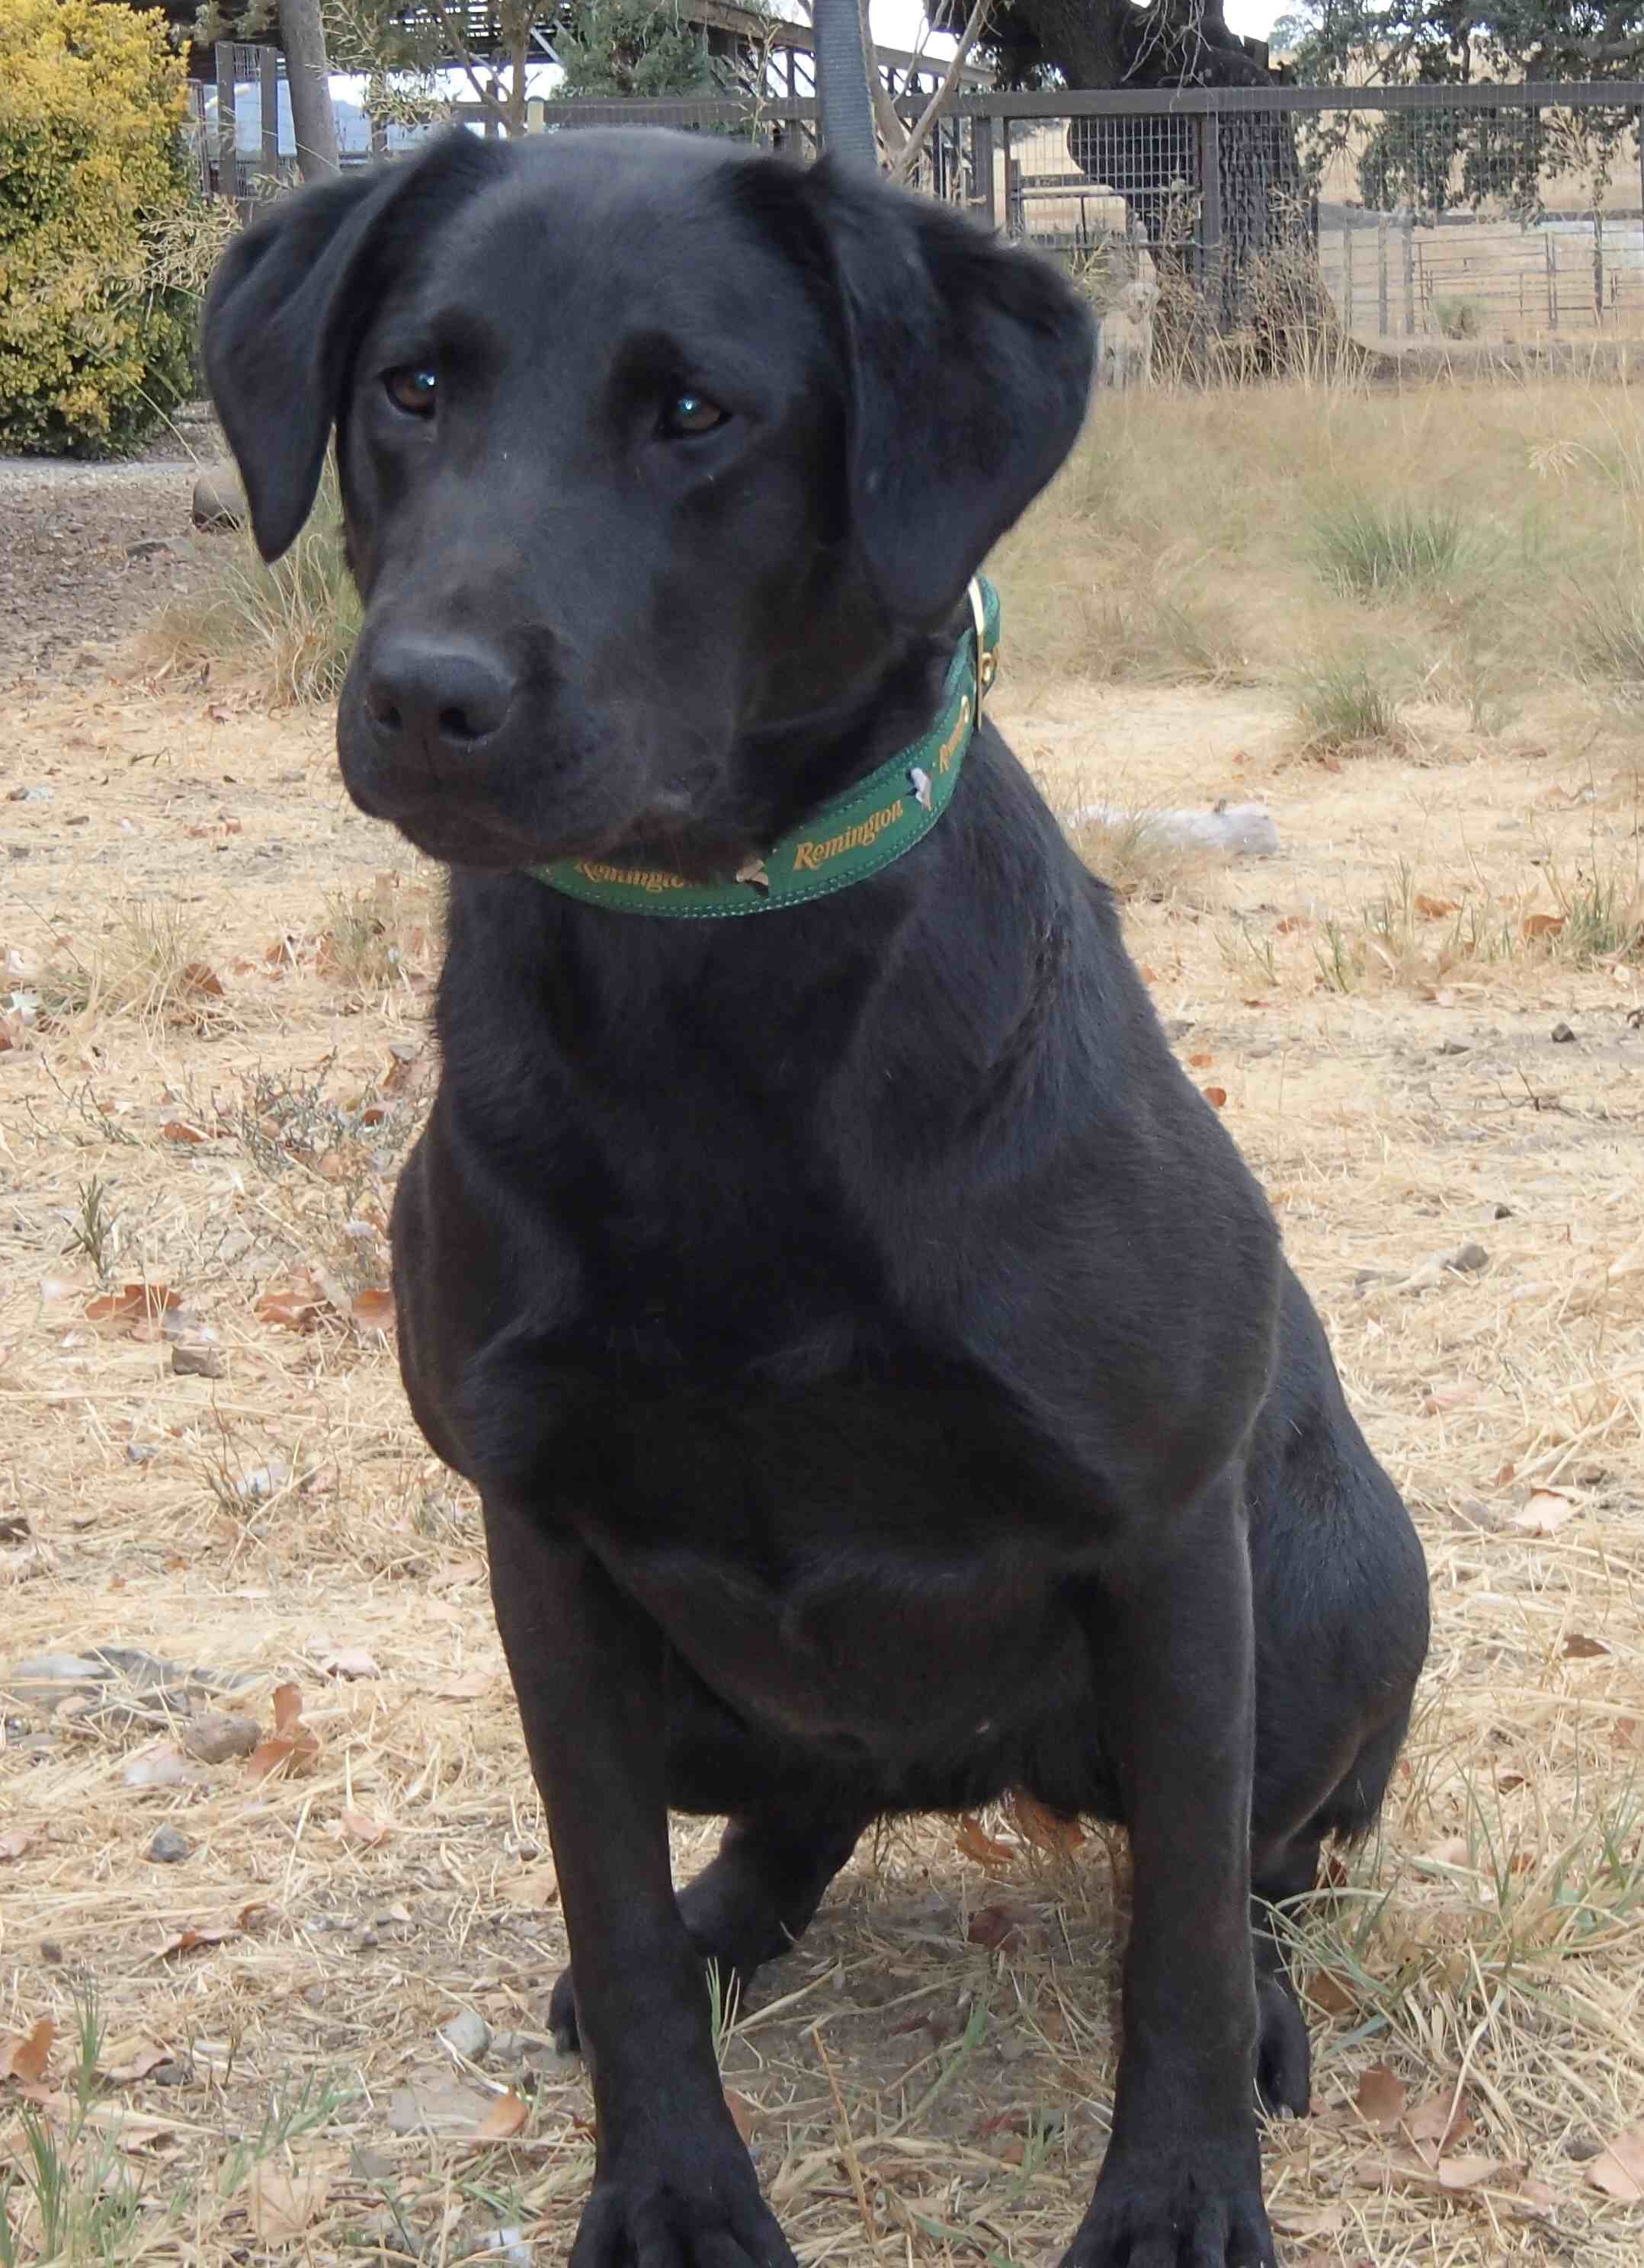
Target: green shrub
{"points": [[94, 346]]}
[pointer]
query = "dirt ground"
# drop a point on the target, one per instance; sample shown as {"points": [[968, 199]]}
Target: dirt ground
{"points": [[89, 551], [216, 1507]]}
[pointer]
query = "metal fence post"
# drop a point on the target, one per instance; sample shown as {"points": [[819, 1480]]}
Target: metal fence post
{"points": [[1384, 313], [982, 167], [1210, 208], [227, 132], [268, 67], [1598, 267], [1410, 273]]}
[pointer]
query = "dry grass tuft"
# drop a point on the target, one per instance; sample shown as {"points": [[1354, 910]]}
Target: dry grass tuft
{"points": [[1346, 707], [290, 627]]}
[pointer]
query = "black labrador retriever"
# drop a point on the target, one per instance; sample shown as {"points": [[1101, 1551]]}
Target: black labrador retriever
{"points": [[880, 1373]]}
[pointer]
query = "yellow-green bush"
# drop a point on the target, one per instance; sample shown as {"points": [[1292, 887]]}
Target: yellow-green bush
{"points": [[93, 348]]}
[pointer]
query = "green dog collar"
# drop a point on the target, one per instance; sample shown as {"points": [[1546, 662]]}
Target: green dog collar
{"points": [[856, 834]]}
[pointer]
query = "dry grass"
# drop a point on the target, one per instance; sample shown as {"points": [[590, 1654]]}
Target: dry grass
{"points": [[914, 2096], [1484, 544], [293, 624]]}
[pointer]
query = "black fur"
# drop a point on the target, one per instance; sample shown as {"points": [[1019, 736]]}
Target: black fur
{"points": [[881, 1375]]}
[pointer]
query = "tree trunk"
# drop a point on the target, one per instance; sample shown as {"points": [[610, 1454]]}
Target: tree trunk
{"points": [[309, 76]]}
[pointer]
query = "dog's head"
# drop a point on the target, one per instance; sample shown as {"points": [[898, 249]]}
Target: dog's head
{"points": [[649, 448]]}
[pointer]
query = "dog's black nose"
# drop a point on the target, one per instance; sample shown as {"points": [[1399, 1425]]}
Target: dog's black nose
{"points": [[450, 697]]}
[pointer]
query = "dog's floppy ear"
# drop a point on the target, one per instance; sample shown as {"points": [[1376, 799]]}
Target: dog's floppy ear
{"points": [[286, 306], [970, 370]]}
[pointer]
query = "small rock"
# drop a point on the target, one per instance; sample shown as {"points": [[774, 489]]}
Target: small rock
{"points": [[520, 2047], [220, 500], [1562, 1032], [214, 1737], [159, 1765], [263, 1481], [39, 794], [150, 547], [60, 1670], [467, 2036], [1452, 1048], [146, 1671], [1504, 1213], [315, 1995], [437, 2106], [170, 2074], [1466, 1260], [169, 1847], [197, 1361]]}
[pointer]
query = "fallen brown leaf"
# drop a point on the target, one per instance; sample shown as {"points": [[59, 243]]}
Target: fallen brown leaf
{"points": [[296, 1305], [973, 1839], [1216, 1097], [1538, 926], [280, 2205], [1547, 1511], [1618, 2168], [374, 1308], [1578, 1648], [356, 1827], [505, 2118], [995, 1927], [1449, 2174], [26, 2055], [200, 976], [1434, 909], [1382, 2095], [133, 1303], [1439, 2122], [1331, 1995], [468, 1687], [1046, 1830], [290, 1742], [196, 1940], [179, 1130]]}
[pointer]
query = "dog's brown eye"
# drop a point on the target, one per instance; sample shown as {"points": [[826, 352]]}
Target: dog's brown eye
{"points": [[413, 389], [691, 413]]}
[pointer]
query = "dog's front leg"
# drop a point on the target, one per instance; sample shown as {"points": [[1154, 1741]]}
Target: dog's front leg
{"points": [[673, 2186], [1181, 2187]]}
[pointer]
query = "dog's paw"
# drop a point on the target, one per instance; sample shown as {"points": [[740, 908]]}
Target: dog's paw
{"points": [[687, 2209], [1173, 2214], [1284, 2054]]}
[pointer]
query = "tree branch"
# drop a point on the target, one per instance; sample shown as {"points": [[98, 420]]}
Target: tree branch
{"points": [[457, 40], [975, 24]]}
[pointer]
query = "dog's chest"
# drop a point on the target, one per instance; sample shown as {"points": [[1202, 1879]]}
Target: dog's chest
{"points": [[866, 1557]]}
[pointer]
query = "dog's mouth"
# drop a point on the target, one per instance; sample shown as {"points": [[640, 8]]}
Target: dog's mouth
{"points": [[507, 808]]}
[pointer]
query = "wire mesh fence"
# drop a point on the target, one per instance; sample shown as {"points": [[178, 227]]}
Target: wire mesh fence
{"points": [[1494, 214]]}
